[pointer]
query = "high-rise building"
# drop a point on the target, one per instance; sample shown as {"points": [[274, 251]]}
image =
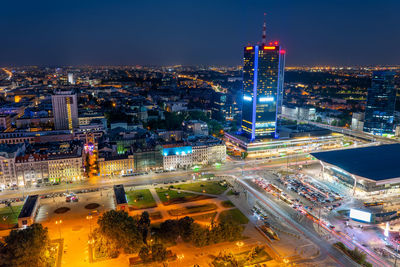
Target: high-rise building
{"points": [[263, 73], [381, 100], [71, 79], [65, 110]]}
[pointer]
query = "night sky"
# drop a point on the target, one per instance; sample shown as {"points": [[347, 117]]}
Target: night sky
{"points": [[160, 32]]}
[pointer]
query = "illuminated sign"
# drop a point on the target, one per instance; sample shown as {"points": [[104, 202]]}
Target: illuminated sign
{"points": [[266, 99], [183, 150], [360, 215], [269, 47], [249, 48], [247, 98]]}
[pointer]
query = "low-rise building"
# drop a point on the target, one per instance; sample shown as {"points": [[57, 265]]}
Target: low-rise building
{"points": [[195, 127], [116, 165]]}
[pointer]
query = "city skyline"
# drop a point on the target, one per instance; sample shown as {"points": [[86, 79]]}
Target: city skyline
{"points": [[208, 33]]}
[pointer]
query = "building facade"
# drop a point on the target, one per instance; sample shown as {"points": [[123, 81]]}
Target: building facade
{"points": [[263, 74], [381, 99], [65, 110], [116, 165]]}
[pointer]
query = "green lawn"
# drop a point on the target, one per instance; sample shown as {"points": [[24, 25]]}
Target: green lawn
{"points": [[234, 215], [206, 217], [193, 209], [214, 187], [169, 197], [262, 256], [155, 215], [140, 199], [7, 217], [227, 204]]}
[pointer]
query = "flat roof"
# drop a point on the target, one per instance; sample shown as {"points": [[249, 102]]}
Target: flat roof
{"points": [[119, 193], [374, 162], [28, 207]]}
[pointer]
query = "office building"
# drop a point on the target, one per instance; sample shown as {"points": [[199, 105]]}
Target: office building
{"points": [[65, 110], [71, 79], [263, 73], [381, 99]]}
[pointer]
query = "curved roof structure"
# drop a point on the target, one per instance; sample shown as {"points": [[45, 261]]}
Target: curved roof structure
{"points": [[374, 162]]}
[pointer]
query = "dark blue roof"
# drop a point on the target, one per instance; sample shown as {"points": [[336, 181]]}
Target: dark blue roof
{"points": [[373, 162], [119, 192], [28, 206]]}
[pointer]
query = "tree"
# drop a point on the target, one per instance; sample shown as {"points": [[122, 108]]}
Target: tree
{"points": [[225, 259], [186, 228], [143, 224], [158, 252], [200, 236], [169, 230], [27, 247], [229, 231], [121, 229], [144, 254]]}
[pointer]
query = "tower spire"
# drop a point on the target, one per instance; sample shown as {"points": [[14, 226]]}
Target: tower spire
{"points": [[264, 33]]}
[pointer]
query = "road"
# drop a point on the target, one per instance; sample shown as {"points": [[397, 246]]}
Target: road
{"points": [[306, 227], [288, 215], [227, 168]]}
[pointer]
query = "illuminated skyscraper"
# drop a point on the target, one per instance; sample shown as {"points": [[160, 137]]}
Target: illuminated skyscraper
{"points": [[71, 79], [381, 99], [65, 110], [263, 73]]}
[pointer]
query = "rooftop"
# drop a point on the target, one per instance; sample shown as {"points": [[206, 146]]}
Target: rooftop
{"points": [[374, 162]]}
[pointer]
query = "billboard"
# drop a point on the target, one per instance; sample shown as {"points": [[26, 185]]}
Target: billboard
{"points": [[360, 215]]}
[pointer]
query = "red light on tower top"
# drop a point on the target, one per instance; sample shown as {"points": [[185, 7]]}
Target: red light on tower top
{"points": [[282, 51], [276, 43]]}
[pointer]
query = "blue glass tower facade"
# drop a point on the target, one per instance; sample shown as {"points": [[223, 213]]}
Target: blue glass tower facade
{"points": [[263, 74], [381, 100]]}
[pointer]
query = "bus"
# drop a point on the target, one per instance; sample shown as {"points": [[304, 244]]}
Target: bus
{"points": [[373, 204]]}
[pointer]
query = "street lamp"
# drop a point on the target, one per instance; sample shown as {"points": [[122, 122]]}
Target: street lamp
{"points": [[180, 256], [89, 217], [239, 244], [59, 222]]}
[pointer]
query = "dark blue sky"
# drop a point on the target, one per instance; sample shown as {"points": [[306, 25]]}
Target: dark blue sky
{"points": [[159, 32]]}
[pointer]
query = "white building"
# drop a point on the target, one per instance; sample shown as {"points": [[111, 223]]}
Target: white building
{"points": [[299, 113], [71, 79], [357, 121], [198, 151], [195, 127]]}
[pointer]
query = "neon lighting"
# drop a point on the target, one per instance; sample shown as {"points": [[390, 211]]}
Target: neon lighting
{"points": [[249, 48], [269, 47], [255, 76], [247, 98], [360, 215], [266, 99], [183, 150]]}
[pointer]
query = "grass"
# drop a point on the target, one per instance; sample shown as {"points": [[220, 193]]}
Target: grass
{"points": [[7, 218], [262, 256], [214, 187], [140, 199], [227, 204], [206, 217], [169, 197], [234, 215], [230, 193], [155, 215], [193, 209]]}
